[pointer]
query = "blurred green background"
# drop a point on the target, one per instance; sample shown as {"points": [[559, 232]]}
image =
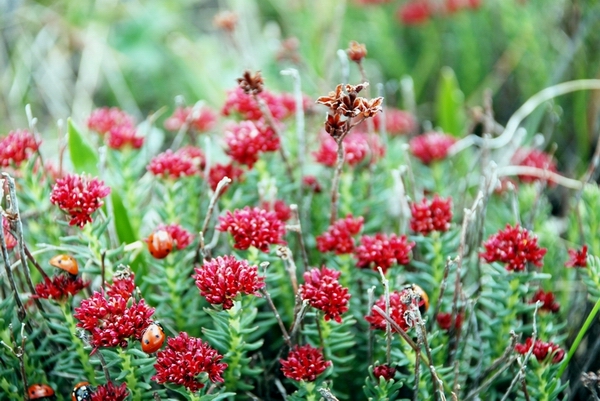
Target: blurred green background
{"points": [[67, 57]]}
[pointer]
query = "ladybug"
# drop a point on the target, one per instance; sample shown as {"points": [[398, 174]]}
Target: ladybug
{"points": [[160, 244], [422, 299], [66, 263], [40, 392], [82, 392], [153, 338]]}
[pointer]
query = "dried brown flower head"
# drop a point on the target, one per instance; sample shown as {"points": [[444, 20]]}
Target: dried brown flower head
{"points": [[251, 84], [357, 51], [226, 20], [288, 50]]}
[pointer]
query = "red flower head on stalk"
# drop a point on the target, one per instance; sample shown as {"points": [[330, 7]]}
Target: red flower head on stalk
{"points": [[357, 146], [547, 299], [243, 104], [123, 284], [281, 209], [382, 250], [399, 302], [222, 279], [304, 363], [11, 241], [534, 158], [431, 215], [247, 139], [397, 122], [385, 371], [431, 146], [323, 291], [117, 126], [414, 12], [199, 119], [577, 258], [185, 162], [253, 227], [541, 350], [339, 236], [184, 359], [219, 171], [79, 196], [444, 320], [515, 247], [17, 147], [182, 237], [110, 392], [59, 287]]}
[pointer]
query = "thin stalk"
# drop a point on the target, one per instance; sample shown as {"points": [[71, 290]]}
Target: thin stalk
{"points": [[388, 331], [298, 228], [335, 183], [201, 251], [21, 308], [286, 336]]}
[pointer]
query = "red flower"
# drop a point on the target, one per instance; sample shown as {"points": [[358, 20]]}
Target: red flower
{"points": [[311, 182], [381, 250], [120, 136], [541, 350], [414, 12], [444, 320], [428, 216], [110, 392], [547, 299], [253, 227], [185, 162], [17, 147], [184, 359], [533, 158], [104, 119], [11, 241], [281, 209], [338, 237], [247, 139], [397, 122], [219, 171], [431, 146], [222, 279], [304, 363], [201, 119], [577, 258], [385, 371], [243, 104], [79, 196], [324, 292], [180, 235], [123, 285], [110, 321], [515, 247], [356, 147], [59, 287], [399, 301]]}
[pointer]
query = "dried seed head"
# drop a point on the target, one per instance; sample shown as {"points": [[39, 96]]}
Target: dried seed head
{"points": [[251, 84], [356, 52], [226, 20]]}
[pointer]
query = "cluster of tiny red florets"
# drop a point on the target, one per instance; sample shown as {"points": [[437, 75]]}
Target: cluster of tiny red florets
{"points": [[219, 171], [246, 140], [199, 119], [9, 239], [533, 158], [253, 227], [547, 299], [431, 215], [397, 122], [17, 147], [339, 236], [123, 285], [381, 250], [117, 126], [79, 196], [385, 371], [304, 363], [399, 302], [415, 12], [541, 350], [222, 279], [577, 258], [59, 287], [444, 320], [310, 182], [357, 146], [323, 291], [280, 106], [515, 247], [110, 392], [281, 209], [431, 146], [185, 162], [182, 237], [184, 359]]}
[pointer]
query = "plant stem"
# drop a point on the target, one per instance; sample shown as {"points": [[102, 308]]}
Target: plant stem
{"points": [[79, 346], [131, 378]]}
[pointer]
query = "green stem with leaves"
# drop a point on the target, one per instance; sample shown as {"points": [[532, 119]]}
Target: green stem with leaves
{"points": [[83, 355], [130, 377]]}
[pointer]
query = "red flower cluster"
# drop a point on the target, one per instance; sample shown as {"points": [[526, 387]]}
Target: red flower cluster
{"points": [[577, 258], [431, 146], [541, 350], [397, 122], [324, 292], [253, 227], [356, 147], [117, 126], [399, 301], [185, 162], [304, 363], [59, 287], [222, 279], [79, 196], [180, 235], [381, 250], [110, 392], [414, 12], [123, 285], [311, 182], [111, 321], [444, 320], [17, 147], [281, 209], [385, 371], [338, 237], [533, 158], [10, 240], [219, 171], [201, 119], [247, 139], [547, 299], [428, 216], [184, 359], [280, 106], [370, 2], [515, 247]]}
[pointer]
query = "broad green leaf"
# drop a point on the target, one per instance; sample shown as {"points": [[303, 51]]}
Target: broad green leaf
{"points": [[83, 156], [123, 225], [450, 104]]}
